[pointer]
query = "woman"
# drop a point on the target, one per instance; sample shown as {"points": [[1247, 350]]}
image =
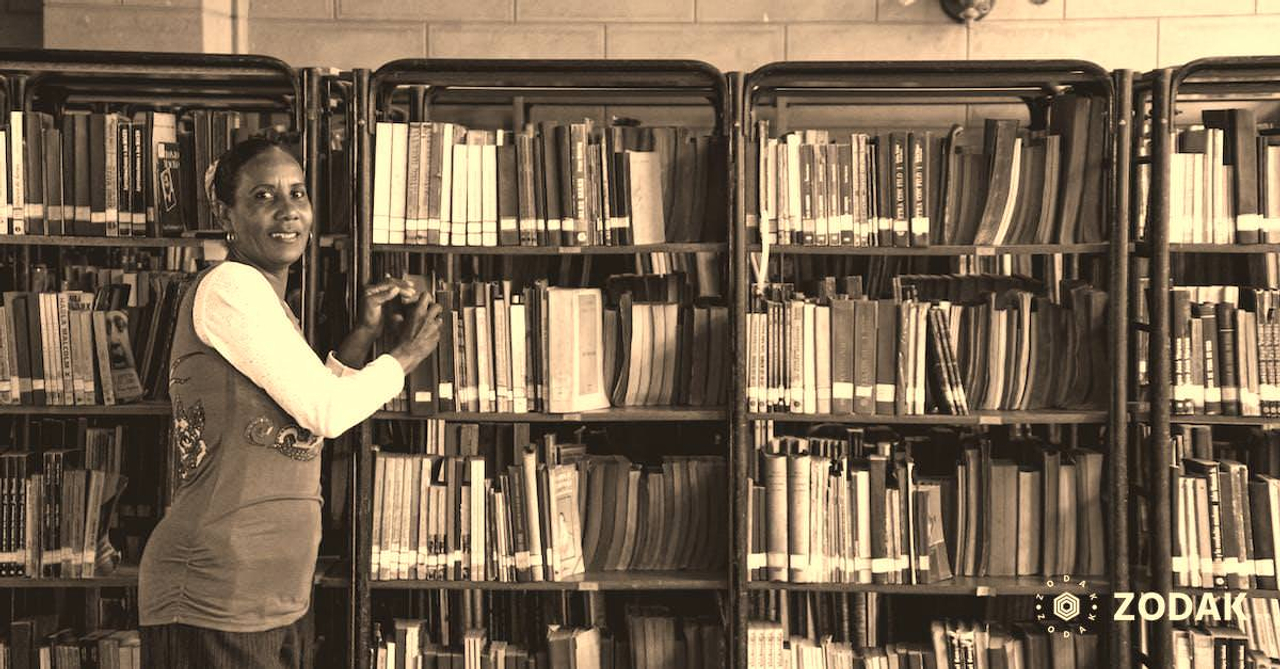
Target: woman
{"points": [[226, 575]]}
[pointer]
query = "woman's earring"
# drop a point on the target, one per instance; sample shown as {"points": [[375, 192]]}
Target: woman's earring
{"points": [[231, 237]]}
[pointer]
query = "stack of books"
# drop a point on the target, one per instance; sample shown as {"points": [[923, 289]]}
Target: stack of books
{"points": [[548, 184], [1009, 185], [954, 644], [641, 341], [821, 513], [548, 516], [943, 344], [112, 175]]}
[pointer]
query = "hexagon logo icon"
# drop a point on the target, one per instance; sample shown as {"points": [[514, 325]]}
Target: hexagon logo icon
{"points": [[1066, 606]]}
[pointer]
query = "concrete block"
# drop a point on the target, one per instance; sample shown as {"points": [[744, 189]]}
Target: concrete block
{"points": [[767, 11], [197, 4], [1132, 9], [876, 41], [925, 11], [1182, 40], [605, 10], [1111, 44], [292, 9], [521, 40], [430, 10], [728, 47], [341, 44], [116, 28], [21, 31]]}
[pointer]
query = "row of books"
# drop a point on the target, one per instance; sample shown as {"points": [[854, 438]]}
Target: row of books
{"points": [[945, 344], [56, 512], [821, 514], [1224, 180], [1217, 647], [1009, 185], [56, 350], [655, 640], [1261, 630], [549, 184], [1224, 535], [1225, 350], [455, 518], [952, 645], [32, 645], [109, 174], [548, 349]]}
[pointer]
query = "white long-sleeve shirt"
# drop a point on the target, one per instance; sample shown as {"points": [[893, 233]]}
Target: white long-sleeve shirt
{"points": [[237, 313]]}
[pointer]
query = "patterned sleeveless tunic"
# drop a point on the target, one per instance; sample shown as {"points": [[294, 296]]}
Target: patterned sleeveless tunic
{"points": [[236, 550]]}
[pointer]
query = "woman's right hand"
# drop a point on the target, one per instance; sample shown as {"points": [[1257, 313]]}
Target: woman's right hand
{"points": [[419, 334]]}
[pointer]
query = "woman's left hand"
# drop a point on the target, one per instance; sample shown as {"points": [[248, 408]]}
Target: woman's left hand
{"points": [[375, 296]]}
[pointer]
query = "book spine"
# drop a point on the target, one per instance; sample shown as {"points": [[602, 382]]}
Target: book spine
{"points": [[17, 174]]}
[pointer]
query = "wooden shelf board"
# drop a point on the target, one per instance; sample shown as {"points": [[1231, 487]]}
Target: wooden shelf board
{"points": [[617, 415], [330, 573], [961, 585], [948, 250], [1224, 248], [981, 418], [140, 409], [618, 580], [1185, 419], [126, 576], [133, 242], [688, 247]]}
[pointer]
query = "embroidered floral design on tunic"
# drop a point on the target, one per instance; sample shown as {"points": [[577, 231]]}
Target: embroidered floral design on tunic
{"points": [[188, 434], [292, 441]]}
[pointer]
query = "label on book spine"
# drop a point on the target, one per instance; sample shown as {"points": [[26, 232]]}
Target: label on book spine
{"points": [[884, 392], [1264, 567], [842, 390]]}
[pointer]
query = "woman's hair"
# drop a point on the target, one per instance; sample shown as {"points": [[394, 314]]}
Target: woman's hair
{"points": [[227, 168]]}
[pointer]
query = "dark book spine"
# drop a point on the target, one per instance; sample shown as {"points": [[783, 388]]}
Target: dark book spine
{"points": [[1226, 318]]}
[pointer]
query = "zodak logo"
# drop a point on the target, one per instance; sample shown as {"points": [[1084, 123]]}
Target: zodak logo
{"points": [[1071, 610], [1204, 608]]}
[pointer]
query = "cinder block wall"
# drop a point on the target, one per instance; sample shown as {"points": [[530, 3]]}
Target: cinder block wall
{"points": [[742, 34], [20, 23], [731, 34]]}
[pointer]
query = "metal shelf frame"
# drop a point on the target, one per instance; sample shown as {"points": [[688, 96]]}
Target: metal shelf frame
{"points": [[1157, 93], [1032, 83], [421, 84]]}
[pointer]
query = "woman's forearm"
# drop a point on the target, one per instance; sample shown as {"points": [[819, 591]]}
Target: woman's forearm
{"points": [[354, 349]]}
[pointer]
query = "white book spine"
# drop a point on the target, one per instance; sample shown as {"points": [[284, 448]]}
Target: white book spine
{"points": [[460, 193], [399, 183], [382, 182], [445, 224], [475, 195], [17, 171], [6, 209]]}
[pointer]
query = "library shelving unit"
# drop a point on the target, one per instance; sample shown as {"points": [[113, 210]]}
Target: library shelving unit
{"points": [[1172, 98], [507, 94], [58, 81], [853, 96]]}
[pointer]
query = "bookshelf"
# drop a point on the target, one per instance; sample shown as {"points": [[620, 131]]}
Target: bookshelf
{"points": [[813, 95], [57, 82], [505, 95], [1172, 100]]}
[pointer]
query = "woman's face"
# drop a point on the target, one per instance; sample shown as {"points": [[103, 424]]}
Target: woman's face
{"points": [[271, 214]]}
